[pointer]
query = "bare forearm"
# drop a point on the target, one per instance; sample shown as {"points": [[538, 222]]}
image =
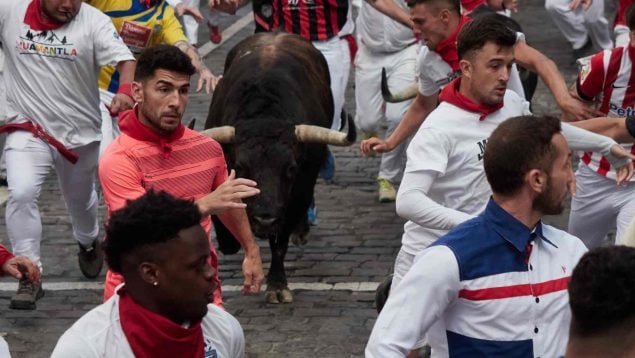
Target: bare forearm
{"points": [[535, 61], [607, 126], [392, 10], [191, 52], [416, 114], [236, 221], [126, 71]]}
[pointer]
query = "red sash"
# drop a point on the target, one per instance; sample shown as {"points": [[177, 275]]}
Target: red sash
{"points": [[451, 94]]}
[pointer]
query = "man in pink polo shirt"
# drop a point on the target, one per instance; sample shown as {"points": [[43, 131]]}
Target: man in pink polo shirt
{"points": [[155, 151]]}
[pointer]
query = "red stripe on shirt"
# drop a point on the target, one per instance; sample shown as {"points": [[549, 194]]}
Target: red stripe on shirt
{"points": [[611, 75], [495, 293], [321, 22]]}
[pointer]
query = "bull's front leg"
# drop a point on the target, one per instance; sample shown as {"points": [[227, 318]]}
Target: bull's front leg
{"points": [[277, 289]]}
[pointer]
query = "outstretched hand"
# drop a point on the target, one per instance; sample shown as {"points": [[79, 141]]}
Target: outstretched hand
{"points": [[622, 160], [253, 273], [228, 195], [375, 145], [18, 266]]}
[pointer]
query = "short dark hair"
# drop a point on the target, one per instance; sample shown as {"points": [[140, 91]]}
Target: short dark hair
{"points": [[517, 146], [481, 30], [151, 219], [629, 17], [602, 293], [452, 5], [164, 57]]}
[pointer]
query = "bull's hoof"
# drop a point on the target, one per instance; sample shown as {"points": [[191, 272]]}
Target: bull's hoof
{"points": [[272, 297], [279, 296], [299, 239], [285, 296]]}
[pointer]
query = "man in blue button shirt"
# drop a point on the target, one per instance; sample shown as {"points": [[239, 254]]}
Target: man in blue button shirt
{"points": [[496, 285]]}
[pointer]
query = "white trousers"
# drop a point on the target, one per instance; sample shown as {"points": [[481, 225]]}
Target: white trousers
{"points": [[622, 37], [29, 160], [372, 111], [338, 59], [109, 125], [190, 26], [597, 205], [577, 25]]}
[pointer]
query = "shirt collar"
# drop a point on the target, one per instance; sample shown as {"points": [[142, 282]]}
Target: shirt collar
{"points": [[510, 229]]}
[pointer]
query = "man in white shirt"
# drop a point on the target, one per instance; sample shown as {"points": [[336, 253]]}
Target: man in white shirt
{"points": [[157, 243], [53, 51], [438, 22]]}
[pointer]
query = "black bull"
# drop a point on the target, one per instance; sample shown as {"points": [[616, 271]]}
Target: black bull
{"points": [[271, 112]]}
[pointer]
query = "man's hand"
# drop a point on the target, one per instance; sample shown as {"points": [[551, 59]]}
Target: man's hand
{"points": [[228, 195], [574, 110], [120, 103], [189, 10], [18, 265], [511, 5], [574, 4], [375, 145], [206, 78], [253, 273], [622, 161]]}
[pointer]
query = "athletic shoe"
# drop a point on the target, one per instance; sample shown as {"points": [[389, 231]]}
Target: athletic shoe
{"points": [[90, 259], [27, 294], [387, 192], [214, 34], [311, 215]]}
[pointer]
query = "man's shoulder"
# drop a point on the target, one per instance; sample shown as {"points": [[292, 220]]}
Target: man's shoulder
{"points": [[563, 240], [222, 327], [94, 324], [199, 138]]}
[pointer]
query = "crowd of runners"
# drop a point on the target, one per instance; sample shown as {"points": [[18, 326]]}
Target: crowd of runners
{"points": [[97, 90]]}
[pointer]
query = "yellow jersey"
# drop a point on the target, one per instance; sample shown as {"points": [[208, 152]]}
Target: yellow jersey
{"points": [[140, 26]]}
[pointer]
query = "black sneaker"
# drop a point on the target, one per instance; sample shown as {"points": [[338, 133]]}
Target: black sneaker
{"points": [[27, 294], [90, 259]]}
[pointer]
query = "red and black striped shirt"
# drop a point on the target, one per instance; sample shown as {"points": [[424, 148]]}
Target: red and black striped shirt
{"points": [[314, 20]]}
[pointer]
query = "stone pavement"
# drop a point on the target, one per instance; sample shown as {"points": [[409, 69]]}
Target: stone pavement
{"points": [[355, 241]]}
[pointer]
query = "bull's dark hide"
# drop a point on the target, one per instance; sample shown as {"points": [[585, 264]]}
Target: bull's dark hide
{"points": [[271, 83]]}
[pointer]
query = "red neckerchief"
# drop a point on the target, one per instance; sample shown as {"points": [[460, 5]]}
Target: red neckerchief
{"points": [[447, 48], [469, 5], [451, 94], [35, 20], [132, 126], [152, 335]]}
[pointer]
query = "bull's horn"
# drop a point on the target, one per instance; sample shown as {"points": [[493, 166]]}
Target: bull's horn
{"points": [[403, 95], [223, 135], [316, 134], [192, 123]]}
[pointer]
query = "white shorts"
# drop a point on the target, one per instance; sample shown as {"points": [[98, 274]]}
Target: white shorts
{"points": [[599, 204]]}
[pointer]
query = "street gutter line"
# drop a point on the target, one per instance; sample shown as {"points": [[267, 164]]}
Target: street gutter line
{"points": [[227, 34], [307, 286]]}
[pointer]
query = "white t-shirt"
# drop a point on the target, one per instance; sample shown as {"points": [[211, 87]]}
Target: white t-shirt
{"points": [[380, 33], [98, 333], [51, 76], [434, 73], [451, 141]]}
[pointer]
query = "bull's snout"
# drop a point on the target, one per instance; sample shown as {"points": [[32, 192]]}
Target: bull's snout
{"points": [[265, 220]]}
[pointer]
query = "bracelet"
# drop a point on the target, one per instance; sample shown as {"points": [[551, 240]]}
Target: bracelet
{"points": [[125, 88], [630, 124]]}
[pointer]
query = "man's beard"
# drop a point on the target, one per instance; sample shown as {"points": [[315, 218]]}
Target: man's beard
{"points": [[547, 203]]}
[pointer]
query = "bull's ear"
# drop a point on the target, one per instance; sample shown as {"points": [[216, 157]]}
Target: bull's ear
{"points": [[137, 91]]}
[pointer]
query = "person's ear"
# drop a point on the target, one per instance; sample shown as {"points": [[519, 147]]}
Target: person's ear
{"points": [[537, 180], [149, 273], [466, 68], [137, 91]]}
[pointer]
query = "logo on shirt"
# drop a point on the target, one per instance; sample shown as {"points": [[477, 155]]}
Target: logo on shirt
{"points": [[448, 78], [210, 350], [620, 111], [481, 148], [46, 43]]}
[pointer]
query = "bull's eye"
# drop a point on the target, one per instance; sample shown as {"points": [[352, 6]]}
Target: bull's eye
{"points": [[291, 170]]}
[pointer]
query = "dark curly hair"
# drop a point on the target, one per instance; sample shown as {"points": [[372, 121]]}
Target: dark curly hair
{"points": [[602, 292], [151, 219], [162, 57]]}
